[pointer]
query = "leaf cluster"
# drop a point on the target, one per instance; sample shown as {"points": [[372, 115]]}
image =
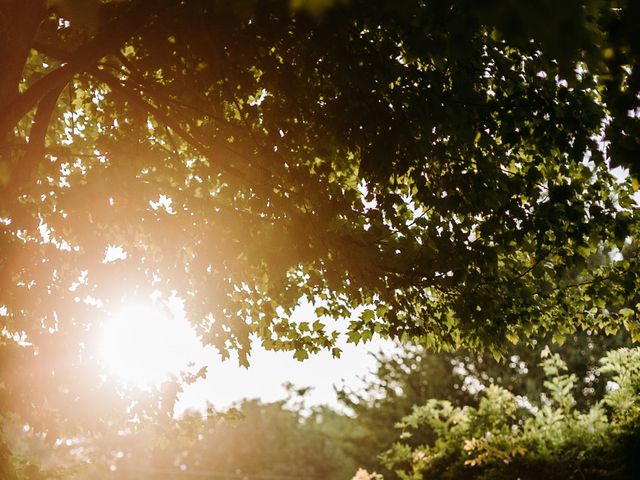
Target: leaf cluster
{"points": [[504, 437]]}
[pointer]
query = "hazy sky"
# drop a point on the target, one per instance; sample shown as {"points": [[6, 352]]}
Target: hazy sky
{"points": [[170, 344], [226, 382]]}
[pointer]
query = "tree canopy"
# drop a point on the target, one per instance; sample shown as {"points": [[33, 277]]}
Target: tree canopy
{"points": [[440, 167], [405, 380], [504, 437]]}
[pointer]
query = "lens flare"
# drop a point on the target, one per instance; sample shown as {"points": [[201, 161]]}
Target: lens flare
{"points": [[144, 343]]}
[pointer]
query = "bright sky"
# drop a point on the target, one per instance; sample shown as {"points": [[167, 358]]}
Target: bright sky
{"points": [[172, 344], [226, 382]]}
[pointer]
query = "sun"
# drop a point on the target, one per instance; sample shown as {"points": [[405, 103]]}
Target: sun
{"points": [[144, 343]]}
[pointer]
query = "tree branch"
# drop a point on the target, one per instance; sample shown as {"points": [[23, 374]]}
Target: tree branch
{"points": [[19, 22], [36, 147], [133, 97], [116, 31]]}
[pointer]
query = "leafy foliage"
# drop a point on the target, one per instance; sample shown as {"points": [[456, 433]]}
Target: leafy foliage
{"points": [[252, 440], [506, 437], [411, 374], [441, 164], [537, 418]]}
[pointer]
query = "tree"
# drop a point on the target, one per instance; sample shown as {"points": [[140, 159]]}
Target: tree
{"points": [[440, 163], [267, 440], [501, 438], [407, 377]]}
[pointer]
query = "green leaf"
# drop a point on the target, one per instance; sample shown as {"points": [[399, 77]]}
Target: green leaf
{"points": [[301, 355], [368, 315]]}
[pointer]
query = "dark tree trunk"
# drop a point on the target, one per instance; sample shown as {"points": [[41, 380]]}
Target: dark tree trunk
{"points": [[19, 21]]}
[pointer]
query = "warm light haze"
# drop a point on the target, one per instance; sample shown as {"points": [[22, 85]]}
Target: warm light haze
{"points": [[319, 240], [143, 343]]}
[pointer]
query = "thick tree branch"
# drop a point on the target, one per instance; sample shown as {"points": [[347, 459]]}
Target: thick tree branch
{"points": [[36, 147], [111, 37], [52, 51], [19, 21]]}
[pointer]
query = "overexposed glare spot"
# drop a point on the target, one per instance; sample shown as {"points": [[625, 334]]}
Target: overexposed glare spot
{"points": [[45, 232], [523, 402], [164, 203], [472, 384], [612, 386], [257, 99], [144, 343], [615, 255], [113, 253]]}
